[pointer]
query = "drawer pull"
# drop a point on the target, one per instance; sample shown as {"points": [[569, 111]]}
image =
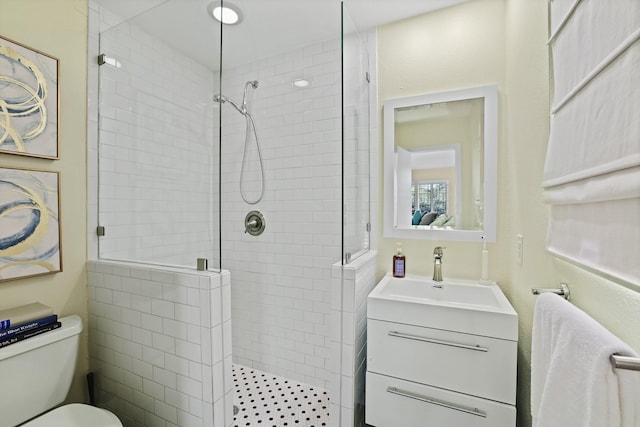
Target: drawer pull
{"points": [[435, 341], [466, 409]]}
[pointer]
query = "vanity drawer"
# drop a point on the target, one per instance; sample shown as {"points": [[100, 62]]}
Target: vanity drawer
{"points": [[471, 364], [396, 403]]}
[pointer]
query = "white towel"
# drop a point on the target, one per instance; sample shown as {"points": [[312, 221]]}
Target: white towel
{"points": [[573, 383], [629, 397]]}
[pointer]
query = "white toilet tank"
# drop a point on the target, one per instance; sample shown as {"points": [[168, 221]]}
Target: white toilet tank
{"points": [[36, 373]]}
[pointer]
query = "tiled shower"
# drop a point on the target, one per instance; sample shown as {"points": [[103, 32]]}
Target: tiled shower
{"points": [[163, 335]]}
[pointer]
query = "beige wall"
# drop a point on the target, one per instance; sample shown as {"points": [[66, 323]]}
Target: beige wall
{"points": [[616, 307], [430, 133], [454, 48], [58, 28], [504, 41]]}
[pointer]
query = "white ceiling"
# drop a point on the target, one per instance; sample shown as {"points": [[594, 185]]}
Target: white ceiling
{"points": [[269, 27]]}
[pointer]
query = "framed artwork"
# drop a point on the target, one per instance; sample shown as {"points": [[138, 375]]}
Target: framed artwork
{"points": [[29, 223], [29, 101]]}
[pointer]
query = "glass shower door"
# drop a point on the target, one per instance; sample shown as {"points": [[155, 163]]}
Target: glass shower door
{"points": [[356, 226], [158, 138]]}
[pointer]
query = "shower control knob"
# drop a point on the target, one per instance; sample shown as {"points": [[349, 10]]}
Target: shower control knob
{"points": [[254, 223]]}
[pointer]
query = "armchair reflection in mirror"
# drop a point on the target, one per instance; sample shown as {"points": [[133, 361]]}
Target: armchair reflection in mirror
{"points": [[440, 165]]}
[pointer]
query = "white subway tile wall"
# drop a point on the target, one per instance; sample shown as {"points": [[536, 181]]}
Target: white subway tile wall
{"points": [[282, 276], [356, 280], [159, 342], [282, 293], [282, 279]]}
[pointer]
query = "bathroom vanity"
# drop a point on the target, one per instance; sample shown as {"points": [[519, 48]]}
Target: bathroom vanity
{"points": [[440, 355]]}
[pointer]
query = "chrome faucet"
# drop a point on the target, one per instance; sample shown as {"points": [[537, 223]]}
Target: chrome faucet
{"points": [[437, 266]]}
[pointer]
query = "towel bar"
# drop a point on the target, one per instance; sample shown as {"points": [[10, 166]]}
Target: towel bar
{"points": [[618, 362], [624, 362], [563, 291]]}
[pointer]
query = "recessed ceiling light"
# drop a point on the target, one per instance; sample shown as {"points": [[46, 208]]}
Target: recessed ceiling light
{"points": [[301, 83], [225, 12]]}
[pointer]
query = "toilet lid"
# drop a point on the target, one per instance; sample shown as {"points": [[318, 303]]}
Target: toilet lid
{"points": [[76, 415]]}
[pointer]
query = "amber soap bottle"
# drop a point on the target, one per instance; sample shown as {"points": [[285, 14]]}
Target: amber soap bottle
{"points": [[399, 262]]}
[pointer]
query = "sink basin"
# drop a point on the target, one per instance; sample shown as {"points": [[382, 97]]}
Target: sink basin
{"points": [[451, 292], [459, 305]]}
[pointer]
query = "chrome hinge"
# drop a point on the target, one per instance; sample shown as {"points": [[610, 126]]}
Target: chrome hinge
{"points": [[368, 227], [367, 77], [104, 59], [202, 264], [100, 230]]}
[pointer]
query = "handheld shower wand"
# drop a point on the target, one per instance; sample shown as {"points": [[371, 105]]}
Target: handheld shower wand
{"points": [[243, 107], [222, 99], [251, 126]]}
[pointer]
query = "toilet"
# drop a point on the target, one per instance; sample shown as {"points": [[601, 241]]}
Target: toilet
{"points": [[36, 376]]}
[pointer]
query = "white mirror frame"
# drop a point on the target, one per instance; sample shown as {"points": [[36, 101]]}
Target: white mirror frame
{"points": [[490, 159]]}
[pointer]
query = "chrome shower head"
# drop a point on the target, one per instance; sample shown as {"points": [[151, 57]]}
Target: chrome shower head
{"points": [[253, 84]]}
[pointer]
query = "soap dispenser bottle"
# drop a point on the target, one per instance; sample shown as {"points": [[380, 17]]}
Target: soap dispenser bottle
{"points": [[399, 262]]}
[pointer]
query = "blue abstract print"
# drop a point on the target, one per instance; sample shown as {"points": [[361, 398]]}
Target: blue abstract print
{"points": [[29, 223]]}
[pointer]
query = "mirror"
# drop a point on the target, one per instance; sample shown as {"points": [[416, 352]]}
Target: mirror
{"points": [[440, 161]]}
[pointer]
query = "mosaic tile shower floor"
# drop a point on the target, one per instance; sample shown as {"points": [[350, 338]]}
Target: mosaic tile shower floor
{"points": [[268, 400]]}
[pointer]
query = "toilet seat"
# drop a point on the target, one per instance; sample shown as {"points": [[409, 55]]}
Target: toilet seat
{"points": [[75, 415]]}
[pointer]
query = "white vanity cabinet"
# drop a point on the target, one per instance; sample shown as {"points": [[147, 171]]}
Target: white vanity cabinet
{"points": [[420, 372]]}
